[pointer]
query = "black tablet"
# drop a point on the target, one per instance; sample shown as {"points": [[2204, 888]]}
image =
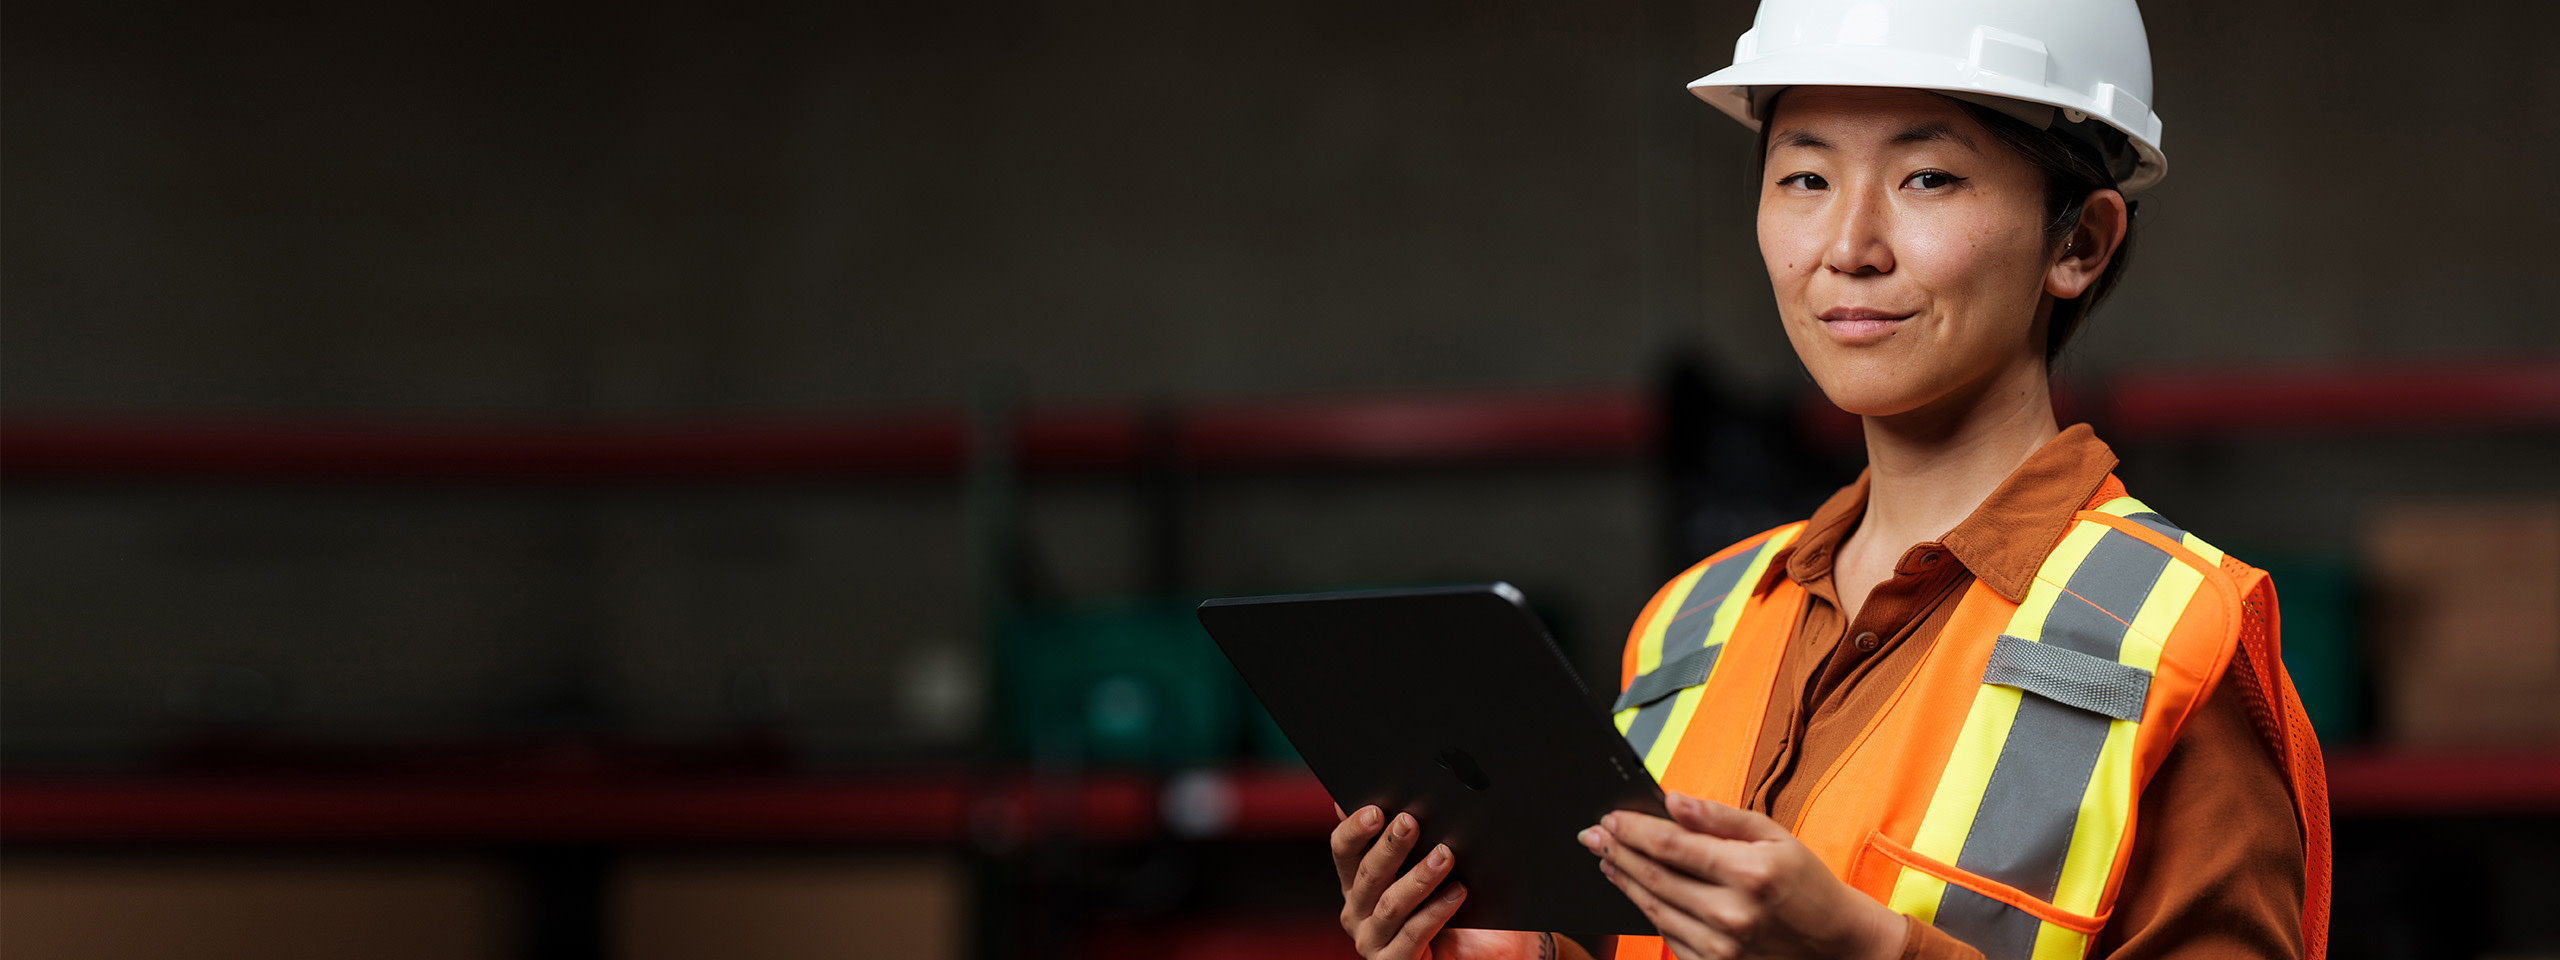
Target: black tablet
{"points": [[1452, 703]]}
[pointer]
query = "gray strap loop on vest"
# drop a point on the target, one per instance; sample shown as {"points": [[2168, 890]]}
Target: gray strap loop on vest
{"points": [[1688, 670], [2100, 686]]}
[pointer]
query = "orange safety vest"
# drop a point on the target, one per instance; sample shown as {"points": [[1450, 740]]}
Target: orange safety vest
{"points": [[1993, 796]]}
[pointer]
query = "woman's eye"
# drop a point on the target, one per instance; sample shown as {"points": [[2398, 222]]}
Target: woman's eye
{"points": [[1933, 179], [1804, 181]]}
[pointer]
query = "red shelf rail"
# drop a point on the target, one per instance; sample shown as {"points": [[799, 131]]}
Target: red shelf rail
{"points": [[1244, 803], [2412, 782], [2178, 404], [2398, 396], [933, 808], [1371, 431], [1388, 431]]}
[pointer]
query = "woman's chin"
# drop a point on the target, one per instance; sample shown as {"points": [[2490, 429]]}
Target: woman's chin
{"points": [[1868, 401]]}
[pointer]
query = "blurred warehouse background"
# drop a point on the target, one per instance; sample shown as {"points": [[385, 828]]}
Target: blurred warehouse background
{"points": [[687, 480]]}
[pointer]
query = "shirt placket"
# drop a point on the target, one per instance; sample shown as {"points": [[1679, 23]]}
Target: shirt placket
{"points": [[1839, 650]]}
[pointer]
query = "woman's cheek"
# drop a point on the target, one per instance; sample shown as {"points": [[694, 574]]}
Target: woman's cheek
{"points": [[1784, 244], [1941, 252]]}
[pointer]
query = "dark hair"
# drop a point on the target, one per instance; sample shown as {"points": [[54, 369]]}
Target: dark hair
{"points": [[2072, 168]]}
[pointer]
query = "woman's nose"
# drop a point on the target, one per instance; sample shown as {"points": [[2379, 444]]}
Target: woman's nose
{"points": [[1860, 231]]}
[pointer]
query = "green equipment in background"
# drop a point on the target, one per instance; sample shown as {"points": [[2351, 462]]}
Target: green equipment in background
{"points": [[2318, 598], [1128, 683]]}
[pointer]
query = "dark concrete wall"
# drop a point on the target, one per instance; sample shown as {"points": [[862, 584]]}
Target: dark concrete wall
{"points": [[495, 211]]}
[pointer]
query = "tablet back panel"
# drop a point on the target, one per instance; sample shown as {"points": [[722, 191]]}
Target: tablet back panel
{"points": [[1452, 703]]}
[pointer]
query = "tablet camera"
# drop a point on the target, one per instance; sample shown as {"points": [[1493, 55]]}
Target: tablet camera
{"points": [[1465, 768]]}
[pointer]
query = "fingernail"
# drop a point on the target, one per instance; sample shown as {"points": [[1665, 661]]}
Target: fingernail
{"points": [[1590, 837], [1369, 818], [1404, 825], [1608, 871], [1609, 823], [1456, 890], [1440, 856]]}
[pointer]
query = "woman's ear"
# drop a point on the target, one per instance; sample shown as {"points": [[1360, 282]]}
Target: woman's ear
{"points": [[2092, 244]]}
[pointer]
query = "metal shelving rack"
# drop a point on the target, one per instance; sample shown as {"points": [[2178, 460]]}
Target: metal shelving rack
{"points": [[976, 809], [1376, 432], [931, 807]]}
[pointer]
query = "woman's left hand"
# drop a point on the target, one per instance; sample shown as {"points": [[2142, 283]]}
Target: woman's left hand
{"points": [[1726, 883]]}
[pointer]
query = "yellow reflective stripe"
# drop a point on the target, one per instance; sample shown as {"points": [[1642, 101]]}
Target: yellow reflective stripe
{"points": [[2099, 829], [1959, 795], [1720, 629], [2124, 507], [1731, 609], [1683, 704], [2060, 943], [2211, 554], [1657, 760], [2053, 578], [2159, 615], [1995, 707], [1916, 894], [2128, 506], [1649, 649]]}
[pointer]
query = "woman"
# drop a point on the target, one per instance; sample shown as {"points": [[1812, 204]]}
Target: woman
{"points": [[1982, 703]]}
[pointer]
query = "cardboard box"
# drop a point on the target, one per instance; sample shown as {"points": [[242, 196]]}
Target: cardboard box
{"points": [[2466, 622], [107, 906], [786, 907]]}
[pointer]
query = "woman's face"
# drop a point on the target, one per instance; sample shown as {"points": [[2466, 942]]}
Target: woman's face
{"points": [[1906, 248]]}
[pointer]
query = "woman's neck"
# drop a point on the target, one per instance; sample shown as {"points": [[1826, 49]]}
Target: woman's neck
{"points": [[1928, 469]]}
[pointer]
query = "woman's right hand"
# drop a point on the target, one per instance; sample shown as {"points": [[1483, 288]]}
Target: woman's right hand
{"points": [[1399, 918]]}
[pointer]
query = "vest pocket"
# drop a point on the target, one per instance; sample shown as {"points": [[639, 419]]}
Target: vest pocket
{"points": [[2005, 923]]}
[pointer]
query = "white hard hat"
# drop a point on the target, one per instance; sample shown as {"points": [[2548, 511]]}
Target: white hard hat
{"points": [[2086, 60]]}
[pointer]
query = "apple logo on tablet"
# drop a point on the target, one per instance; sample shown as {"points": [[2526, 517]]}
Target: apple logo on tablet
{"points": [[1457, 762]]}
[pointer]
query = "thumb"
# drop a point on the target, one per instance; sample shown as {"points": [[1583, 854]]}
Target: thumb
{"points": [[1717, 820]]}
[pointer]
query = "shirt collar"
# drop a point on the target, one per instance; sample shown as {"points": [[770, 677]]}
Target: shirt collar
{"points": [[2006, 538]]}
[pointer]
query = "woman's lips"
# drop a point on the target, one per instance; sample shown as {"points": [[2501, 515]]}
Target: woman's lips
{"points": [[1859, 326]]}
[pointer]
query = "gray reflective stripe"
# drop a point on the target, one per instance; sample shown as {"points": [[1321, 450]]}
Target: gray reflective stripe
{"points": [[1697, 613], [1648, 725], [1688, 671], [2104, 687], [2158, 524], [2103, 595], [2000, 931], [1650, 720], [2022, 830], [1650, 693]]}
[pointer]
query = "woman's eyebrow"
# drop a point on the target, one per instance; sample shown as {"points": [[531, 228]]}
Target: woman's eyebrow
{"points": [[1798, 138]]}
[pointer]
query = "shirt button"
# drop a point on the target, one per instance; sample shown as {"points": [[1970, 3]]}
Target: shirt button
{"points": [[1867, 641]]}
